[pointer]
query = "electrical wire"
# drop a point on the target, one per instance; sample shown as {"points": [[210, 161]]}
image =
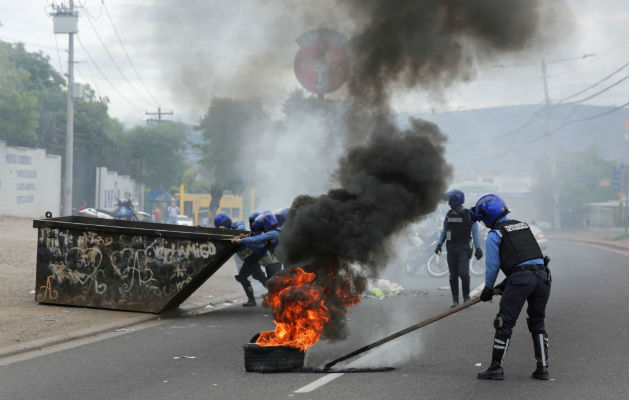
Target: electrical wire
{"points": [[29, 43], [105, 77], [104, 6], [575, 121], [115, 63], [594, 85], [620, 81], [58, 56], [85, 80]]}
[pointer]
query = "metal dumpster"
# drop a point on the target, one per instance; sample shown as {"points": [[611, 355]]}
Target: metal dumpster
{"points": [[125, 265]]}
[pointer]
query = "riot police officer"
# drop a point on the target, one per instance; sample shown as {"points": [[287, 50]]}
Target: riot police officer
{"points": [[250, 254], [512, 248], [264, 236], [457, 229]]}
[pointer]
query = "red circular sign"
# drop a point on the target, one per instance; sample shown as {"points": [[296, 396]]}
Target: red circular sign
{"points": [[322, 65]]}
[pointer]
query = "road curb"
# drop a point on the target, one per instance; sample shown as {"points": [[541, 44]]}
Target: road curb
{"points": [[39, 344], [591, 242]]}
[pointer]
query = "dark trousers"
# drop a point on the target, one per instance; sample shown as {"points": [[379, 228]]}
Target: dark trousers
{"points": [[458, 260], [251, 267], [524, 285]]}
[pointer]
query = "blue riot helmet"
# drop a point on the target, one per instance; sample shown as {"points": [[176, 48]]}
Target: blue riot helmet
{"points": [[489, 209], [252, 217], [223, 220], [455, 198], [281, 216], [264, 222]]}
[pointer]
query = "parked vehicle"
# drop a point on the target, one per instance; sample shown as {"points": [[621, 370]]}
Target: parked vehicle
{"points": [[539, 235], [184, 220], [95, 213], [125, 210]]}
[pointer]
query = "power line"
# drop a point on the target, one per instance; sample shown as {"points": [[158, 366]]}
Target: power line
{"points": [[595, 84], [601, 91], [29, 43], [105, 77], [127, 54], [58, 55], [98, 92], [85, 80], [575, 121], [114, 61]]}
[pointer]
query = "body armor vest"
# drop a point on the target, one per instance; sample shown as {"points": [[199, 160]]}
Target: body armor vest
{"points": [[518, 244], [459, 227]]}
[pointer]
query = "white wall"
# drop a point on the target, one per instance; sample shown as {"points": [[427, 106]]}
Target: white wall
{"points": [[111, 187], [30, 182]]}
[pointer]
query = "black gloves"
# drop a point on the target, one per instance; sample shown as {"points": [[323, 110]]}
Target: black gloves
{"points": [[438, 249], [478, 254], [486, 294]]}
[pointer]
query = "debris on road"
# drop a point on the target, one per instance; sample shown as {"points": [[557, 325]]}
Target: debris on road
{"points": [[380, 288]]}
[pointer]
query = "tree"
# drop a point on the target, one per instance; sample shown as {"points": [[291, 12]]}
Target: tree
{"points": [[161, 148], [580, 173], [19, 117], [227, 126]]}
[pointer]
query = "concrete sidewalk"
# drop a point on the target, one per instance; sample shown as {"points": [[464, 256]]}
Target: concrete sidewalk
{"points": [[614, 238], [27, 325]]}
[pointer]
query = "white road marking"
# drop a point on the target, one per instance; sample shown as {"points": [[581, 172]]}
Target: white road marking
{"points": [[320, 382], [332, 376]]}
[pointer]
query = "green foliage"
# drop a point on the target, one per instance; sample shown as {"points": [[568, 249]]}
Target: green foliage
{"points": [[580, 173], [161, 147], [19, 116], [226, 126]]}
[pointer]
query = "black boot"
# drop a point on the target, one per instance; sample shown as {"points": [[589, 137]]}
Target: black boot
{"points": [[249, 291], [466, 288], [499, 349], [455, 302], [541, 352]]}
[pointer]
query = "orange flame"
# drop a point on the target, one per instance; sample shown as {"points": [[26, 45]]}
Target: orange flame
{"points": [[302, 306]]}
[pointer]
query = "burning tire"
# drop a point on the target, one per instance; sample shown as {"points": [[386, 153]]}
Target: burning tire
{"points": [[272, 358]]}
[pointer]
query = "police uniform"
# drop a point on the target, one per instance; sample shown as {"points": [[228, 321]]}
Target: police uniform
{"points": [[457, 230], [512, 248]]}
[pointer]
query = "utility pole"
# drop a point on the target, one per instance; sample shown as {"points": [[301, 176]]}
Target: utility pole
{"points": [[159, 114], [65, 21], [552, 151]]}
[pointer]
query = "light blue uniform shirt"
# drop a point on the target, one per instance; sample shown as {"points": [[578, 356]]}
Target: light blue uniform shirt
{"points": [[258, 242], [493, 262]]}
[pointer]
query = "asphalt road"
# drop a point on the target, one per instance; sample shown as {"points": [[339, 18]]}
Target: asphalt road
{"points": [[587, 320]]}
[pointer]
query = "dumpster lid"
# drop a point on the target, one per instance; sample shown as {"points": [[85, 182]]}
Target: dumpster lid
{"points": [[137, 227]]}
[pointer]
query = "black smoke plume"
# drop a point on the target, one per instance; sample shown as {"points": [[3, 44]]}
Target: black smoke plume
{"points": [[395, 178], [390, 178], [433, 44]]}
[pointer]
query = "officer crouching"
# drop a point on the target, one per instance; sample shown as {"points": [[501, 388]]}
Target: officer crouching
{"points": [[512, 248]]}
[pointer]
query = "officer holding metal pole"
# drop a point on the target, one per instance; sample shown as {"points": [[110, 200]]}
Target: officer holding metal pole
{"points": [[458, 227], [512, 248]]}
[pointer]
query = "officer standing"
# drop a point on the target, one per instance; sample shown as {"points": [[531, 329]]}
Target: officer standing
{"points": [[512, 247], [458, 227]]}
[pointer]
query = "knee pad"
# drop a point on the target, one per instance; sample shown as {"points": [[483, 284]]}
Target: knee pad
{"points": [[498, 323]]}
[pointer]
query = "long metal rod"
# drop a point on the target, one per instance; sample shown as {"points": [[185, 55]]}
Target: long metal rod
{"points": [[405, 331]]}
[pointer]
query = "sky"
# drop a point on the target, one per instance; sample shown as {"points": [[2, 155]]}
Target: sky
{"points": [[184, 52]]}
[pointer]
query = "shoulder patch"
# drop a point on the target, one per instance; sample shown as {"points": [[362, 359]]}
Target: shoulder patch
{"points": [[516, 227]]}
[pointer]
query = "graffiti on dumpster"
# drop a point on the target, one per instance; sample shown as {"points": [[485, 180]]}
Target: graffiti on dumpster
{"points": [[115, 269]]}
